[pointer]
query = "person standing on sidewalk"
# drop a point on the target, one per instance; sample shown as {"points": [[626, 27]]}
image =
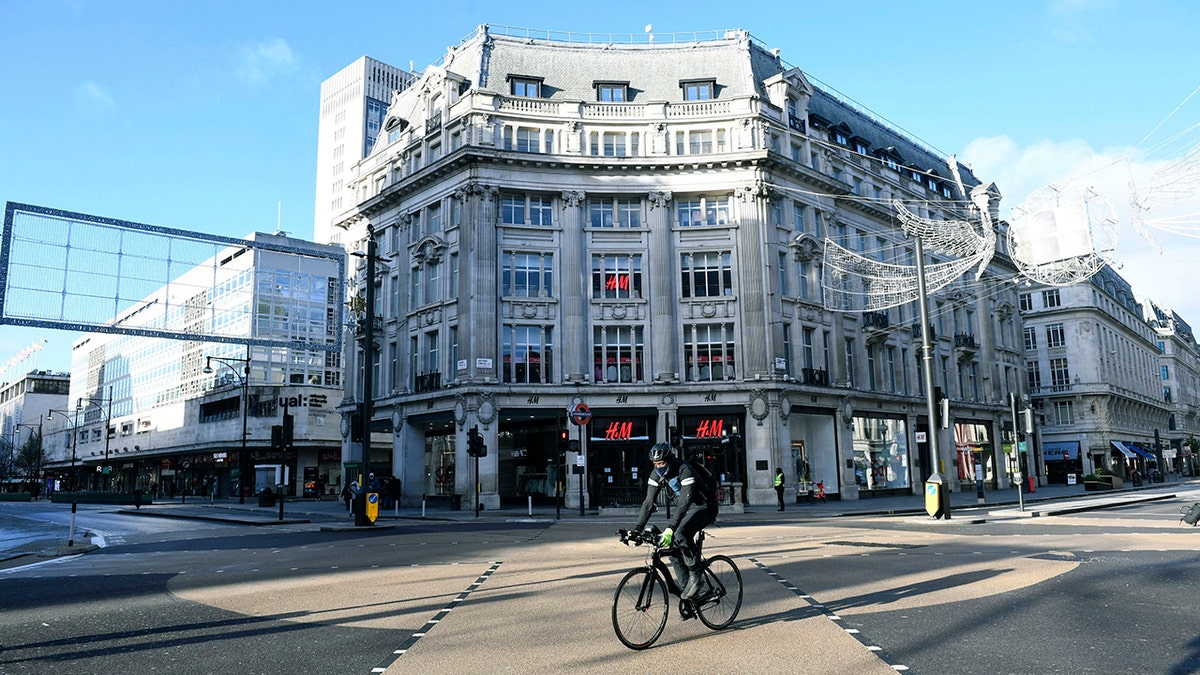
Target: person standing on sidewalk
{"points": [[779, 485]]}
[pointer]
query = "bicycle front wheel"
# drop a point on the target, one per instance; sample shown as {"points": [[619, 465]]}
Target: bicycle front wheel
{"points": [[719, 603], [639, 610]]}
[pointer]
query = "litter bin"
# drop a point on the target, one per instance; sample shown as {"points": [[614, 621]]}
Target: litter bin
{"points": [[266, 498]]}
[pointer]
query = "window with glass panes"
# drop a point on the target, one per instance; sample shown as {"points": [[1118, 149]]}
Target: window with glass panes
{"points": [[708, 352], [703, 211], [1030, 335], [700, 142], [1064, 413], [698, 91], [529, 140], [615, 212], [614, 144], [526, 87], [527, 353], [1033, 375], [616, 275], [517, 209], [1060, 374], [610, 93], [432, 281], [618, 354], [706, 274], [1056, 336], [1051, 298], [1026, 302], [526, 275]]}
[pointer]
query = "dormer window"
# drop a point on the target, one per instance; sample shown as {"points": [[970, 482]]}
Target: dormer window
{"points": [[612, 92], [839, 138], [526, 87], [698, 90]]}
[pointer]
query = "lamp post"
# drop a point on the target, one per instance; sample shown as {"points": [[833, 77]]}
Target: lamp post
{"points": [[74, 442], [31, 427], [244, 381], [96, 401]]}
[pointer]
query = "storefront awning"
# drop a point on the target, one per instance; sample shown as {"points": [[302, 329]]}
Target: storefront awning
{"points": [[1124, 450], [1140, 450]]}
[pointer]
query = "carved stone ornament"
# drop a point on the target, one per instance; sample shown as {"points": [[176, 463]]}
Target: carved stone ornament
{"points": [[397, 422], [1004, 311], [785, 407], [487, 409], [573, 198], [659, 199], [430, 248], [805, 247], [847, 411], [760, 190], [759, 406], [460, 410], [345, 425], [667, 399]]}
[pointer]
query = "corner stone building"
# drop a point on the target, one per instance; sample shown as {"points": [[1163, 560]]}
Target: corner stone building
{"points": [[639, 228]]}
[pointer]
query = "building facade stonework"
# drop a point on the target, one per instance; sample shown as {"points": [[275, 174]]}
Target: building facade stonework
{"points": [[639, 228]]}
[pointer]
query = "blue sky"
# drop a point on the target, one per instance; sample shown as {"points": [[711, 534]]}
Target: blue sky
{"points": [[203, 116]]}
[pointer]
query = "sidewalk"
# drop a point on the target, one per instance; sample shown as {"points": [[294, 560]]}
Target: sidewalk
{"points": [[331, 514], [1046, 500]]}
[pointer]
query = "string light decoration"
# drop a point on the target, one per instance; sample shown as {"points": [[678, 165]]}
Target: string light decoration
{"points": [[854, 282], [1062, 235]]}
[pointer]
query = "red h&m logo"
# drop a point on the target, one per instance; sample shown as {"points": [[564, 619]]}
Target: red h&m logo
{"points": [[618, 431], [710, 429], [617, 282]]}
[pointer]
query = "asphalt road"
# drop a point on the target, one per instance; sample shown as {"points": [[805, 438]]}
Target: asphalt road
{"points": [[1103, 591]]}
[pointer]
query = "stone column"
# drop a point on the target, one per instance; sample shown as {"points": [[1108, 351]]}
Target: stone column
{"points": [[574, 272], [754, 284], [664, 296], [478, 332]]}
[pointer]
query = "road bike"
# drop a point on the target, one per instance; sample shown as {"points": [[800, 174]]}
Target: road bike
{"points": [[641, 603]]}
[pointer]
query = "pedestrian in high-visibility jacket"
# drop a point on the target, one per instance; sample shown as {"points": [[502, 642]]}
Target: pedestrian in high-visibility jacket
{"points": [[779, 481]]}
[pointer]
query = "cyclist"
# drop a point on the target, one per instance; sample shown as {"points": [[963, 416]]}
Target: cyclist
{"points": [[695, 494]]}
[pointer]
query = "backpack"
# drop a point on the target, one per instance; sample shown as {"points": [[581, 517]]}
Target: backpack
{"points": [[708, 484], [1191, 514]]}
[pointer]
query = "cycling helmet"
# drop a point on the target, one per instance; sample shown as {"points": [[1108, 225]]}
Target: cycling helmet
{"points": [[661, 452]]}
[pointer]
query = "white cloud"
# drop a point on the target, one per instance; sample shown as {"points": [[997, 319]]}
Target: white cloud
{"points": [[261, 62], [1018, 171], [92, 95]]}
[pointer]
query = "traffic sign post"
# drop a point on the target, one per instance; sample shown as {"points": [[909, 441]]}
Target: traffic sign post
{"points": [[580, 415]]}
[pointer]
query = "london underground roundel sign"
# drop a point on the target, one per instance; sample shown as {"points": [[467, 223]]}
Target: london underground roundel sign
{"points": [[580, 414]]}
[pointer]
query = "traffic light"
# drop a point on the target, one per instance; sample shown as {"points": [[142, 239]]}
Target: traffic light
{"points": [[276, 437], [1027, 421], [673, 436], [289, 423], [943, 408], [564, 443], [475, 446]]}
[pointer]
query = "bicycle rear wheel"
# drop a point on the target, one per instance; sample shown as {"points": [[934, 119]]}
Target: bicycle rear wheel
{"points": [[640, 608], [719, 603]]}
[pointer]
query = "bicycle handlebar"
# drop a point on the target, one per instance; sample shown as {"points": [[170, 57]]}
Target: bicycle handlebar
{"points": [[637, 538]]}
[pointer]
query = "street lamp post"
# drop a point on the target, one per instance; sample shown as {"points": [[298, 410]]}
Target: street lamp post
{"points": [[74, 442], [244, 381], [96, 401], [31, 427]]}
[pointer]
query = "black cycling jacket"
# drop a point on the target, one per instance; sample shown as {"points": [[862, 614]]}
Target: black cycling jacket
{"points": [[678, 478]]}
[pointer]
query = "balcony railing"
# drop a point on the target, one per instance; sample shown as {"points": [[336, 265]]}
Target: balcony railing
{"points": [[428, 382], [816, 377], [965, 341], [434, 122]]}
